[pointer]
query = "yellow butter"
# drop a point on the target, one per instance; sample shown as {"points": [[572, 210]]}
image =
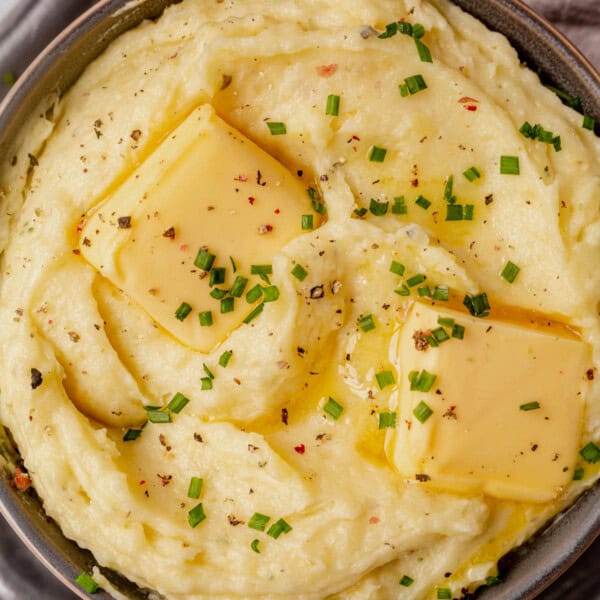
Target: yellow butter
{"points": [[207, 186], [478, 437]]}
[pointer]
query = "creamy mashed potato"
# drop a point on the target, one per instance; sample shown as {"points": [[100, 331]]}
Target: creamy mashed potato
{"points": [[355, 432]]}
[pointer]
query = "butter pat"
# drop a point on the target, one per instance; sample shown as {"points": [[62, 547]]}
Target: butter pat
{"points": [[205, 186], [485, 432]]}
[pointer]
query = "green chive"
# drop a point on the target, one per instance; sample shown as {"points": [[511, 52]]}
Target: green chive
{"points": [[183, 311], [415, 280], [402, 290], [254, 294], [492, 580], [423, 51], [158, 416], [478, 305], [578, 474], [315, 200], [195, 487], [218, 293], [527, 130], [421, 382], [227, 305], [418, 31], [385, 378], [206, 318], [589, 122], [399, 206], [307, 222], [299, 272], [208, 372], [556, 142], [423, 202], [448, 190], [238, 287], [366, 323], [86, 583], [509, 165], [278, 528], [454, 212], [204, 260], [177, 403], [360, 212], [206, 384], [225, 358], [263, 271], [196, 515], [530, 406], [258, 521], [403, 90], [590, 453], [132, 434], [217, 276], [472, 174], [387, 420], [510, 272], [444, 594], [377, 154], [441, 292], [468, 212], [378, 208], [333, 105], [439, 333], [397, 268], [415, 84], [253, 314], [572, 101], [458, 331], [254, 546], [405, 27], [422, 412], [424, 291], [406, 581], [233, 265], [276, 127], [271, 293], [446, 321], [333, 409], [390, 30]]}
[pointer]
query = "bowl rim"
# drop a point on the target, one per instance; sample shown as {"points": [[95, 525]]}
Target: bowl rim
{"points": [[575, 526]]}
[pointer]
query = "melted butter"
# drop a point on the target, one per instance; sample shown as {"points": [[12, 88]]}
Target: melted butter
{"points": [[205, 186]]}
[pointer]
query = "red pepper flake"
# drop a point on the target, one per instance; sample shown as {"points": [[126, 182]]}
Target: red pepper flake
{"points": [[21, 480], [468, 100], [242, 178], [251, 199], [590, 374], [277, 211], [142, 481], [326, 70], [164, 479], [374, 520], [300, 449], [284, 416], [471, 107], [184, 247], [262, 229], [415, 183]]}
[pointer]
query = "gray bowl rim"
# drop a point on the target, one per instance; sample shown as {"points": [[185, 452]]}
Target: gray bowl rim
{"points": [[539, 561]]}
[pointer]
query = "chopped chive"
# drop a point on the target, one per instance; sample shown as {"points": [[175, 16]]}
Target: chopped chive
{"points": [[233, 265], [206, 383], [403, 90], [204, 259], [573, 101], [422, 412], [333, 408], [278, 528], [253, 314], [458, 331], [366, 323], [439, 333], [218, 293], [527, 130], [472, 174], [360, 212], [307, 222], [492, 580], [421, 382], [158, 416], [418, 31], [315, 200], [271, 293], [299, 272], [510, 272], [406, 581], [196, 515], [177, 403], [227, 305], [195, 487], [509, 165], [589, 122], [397, 268], [590, 453], [468, 212], [387, 420], [258, 521], [446, 321], [263, 271], [423, 51], [206, 318], [402, 290], [448, 189], [276, 128], [415, 84], [183, 311], [423, 291], [217, 276], [415, 280], [87, 583], [132, 434], [432, 341], [423, 202], [238, 287], [399, 206], [333, 105], [529, 406], [405, 27], [225, 358], [578, 474], [444, 594], [556, 142], [441, 292], [378, 208], [390, 30], [385, 378], [377, 154], [254, 294], [454, 212], [477, 305], [254, 546]]}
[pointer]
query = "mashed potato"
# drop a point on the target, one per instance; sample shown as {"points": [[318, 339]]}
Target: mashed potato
{"points": [[348, 429]]}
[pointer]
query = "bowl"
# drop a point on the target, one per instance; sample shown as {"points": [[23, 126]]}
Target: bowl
{"points": [[527, 570]]}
